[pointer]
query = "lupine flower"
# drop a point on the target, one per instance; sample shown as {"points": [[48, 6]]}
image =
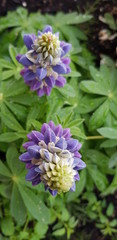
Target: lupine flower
{"points": [[52, 157], [44, 61]]}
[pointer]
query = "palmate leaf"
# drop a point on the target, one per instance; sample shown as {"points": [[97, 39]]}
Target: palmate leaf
{"points": [[88, 103], [19, 111], [98, 177], [8, 137], [67, 91], [13, 88], [93, 87], [99, 159], [17, 207], [108, 132], [71, 18], [34, 205], [9, 120], [7, 226], [99, 116], [12, 157], [4, 170]]}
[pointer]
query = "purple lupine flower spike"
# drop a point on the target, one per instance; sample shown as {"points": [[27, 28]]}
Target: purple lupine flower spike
{"points": [[44, 61], [52, 157]]}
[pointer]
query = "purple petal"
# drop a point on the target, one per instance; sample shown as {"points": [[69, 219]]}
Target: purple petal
{"points": [[77, 177], [37, 136], [61, 143], [49, 136], [77, 154], [40, 92], [28, 144], [68, 69], [72, 145], [29, 165], [35, 85], [60, 82], [66, 133], [48, 28], [66, 61], [32, 174], [28, 40], [50, 81], [47, 90], [66, 48], [73, 188], [52, 125], [80, 165], [34, 151], [36, 181], [18, 57], [41, 73], [58, 130], [44, 127], [24, 61], [25, 157], [60, 68], [53, 192], [29, 75]]}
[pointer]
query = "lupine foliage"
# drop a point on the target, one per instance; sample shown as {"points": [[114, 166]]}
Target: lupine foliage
{"points": [[87, 105]]}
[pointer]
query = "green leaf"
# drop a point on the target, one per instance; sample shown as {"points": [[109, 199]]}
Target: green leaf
{"points": [[112, 187], [99, 116], [36, 124], [8, 137], [4, 170], [96, 75], [7, 74], [99, 178], [13, 161], [13, 54], [109, 143], [71, 18], [19, 110], [113, 160], [67, 91], [17, 207], [110, 210], [6, 189], [6, 64], [75, 131], [99, 158], [40, 229], [75, 122], [7, 226], [93, 87], [73, 74], [108, 132], [88, 104], [25, 99], [34, 205], [59, 232], [13, 88], [109, 19], [9, 120]]}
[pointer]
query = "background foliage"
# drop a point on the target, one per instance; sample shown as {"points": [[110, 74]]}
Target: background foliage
{"points": [[88, 106]]}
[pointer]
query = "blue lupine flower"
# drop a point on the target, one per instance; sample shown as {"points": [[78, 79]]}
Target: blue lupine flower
{"points": [[44, 62], [53, 157]]}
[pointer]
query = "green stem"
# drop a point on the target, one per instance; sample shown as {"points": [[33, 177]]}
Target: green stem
{"points": [[94, 137]]}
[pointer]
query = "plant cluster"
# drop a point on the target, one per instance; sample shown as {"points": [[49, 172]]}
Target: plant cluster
{"points": [[87, 104]]}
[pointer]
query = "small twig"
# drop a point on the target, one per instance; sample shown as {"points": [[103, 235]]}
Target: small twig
{"points": [[94, 137]]}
